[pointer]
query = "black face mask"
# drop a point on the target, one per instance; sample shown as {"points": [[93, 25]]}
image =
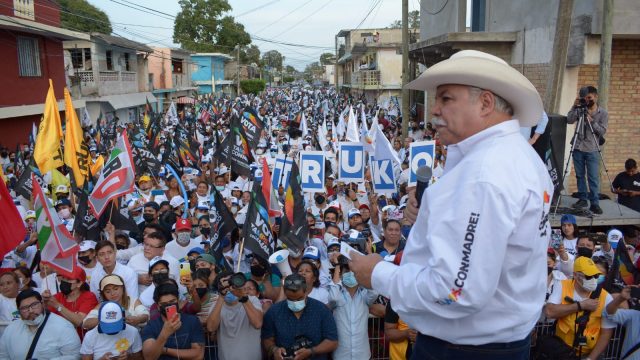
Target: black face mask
{"points": [[584, 251], [320, 199], [205, 231], [148, 217], [158, 278], [201, 292], [257, 270], [120, 247], [549, 270], [84, 260], [65, 287]]}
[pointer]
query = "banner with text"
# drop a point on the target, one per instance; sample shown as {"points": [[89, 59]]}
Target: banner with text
{"points": [[351, 164], [383, 176], [420, 154], [281, 172], [312, 171]]}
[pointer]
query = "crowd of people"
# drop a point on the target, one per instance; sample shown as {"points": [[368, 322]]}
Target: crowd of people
{"points": [[169, 286]]}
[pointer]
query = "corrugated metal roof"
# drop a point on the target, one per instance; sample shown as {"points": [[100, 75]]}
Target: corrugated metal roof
{"points": [[121, 42]]}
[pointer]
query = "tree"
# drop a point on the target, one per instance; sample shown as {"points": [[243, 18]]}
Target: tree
{"points": [[250, 55], [273, 59], [79, 15], [252, 86], [414, 21], [313, 71], [200, 27], [290, 69], [327, 58]]}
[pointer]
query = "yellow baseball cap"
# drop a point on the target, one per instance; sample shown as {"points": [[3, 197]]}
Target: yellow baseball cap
{"points": [[586, 266], [144, 178]]}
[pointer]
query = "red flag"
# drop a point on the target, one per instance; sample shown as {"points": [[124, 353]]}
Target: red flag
{"points": [[12, 230], [267, 191]]}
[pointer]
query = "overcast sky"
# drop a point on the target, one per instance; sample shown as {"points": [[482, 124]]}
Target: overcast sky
{"points": [[308, 22]]}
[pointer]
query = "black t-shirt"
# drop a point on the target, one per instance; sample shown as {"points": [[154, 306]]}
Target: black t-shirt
{"points": [[625, 181]]}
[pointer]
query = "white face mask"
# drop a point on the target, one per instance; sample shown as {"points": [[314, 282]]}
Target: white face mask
{"points": [[35, 322], [183, 238], [590, 285], [64, 213]]}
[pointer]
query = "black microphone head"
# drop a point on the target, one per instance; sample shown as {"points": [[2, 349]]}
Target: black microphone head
{"points": [[424, 173]]}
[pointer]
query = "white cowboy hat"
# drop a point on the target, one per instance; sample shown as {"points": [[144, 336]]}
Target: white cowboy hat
{"points": [[489, 72]]}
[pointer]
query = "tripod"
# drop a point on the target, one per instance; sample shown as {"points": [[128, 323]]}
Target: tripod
{"points": [[580, 128]]}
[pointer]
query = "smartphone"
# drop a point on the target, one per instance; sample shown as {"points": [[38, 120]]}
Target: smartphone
{"points": [[556, 239], [185, 271], [157, 192], [382, 202], [278, 221], [635, 292], [172, 311]]}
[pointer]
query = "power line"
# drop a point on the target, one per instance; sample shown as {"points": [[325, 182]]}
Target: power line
{"points": [[437, 12], [303, 19], [284, 16], [147, 10], [256, 8], [369, 13]]}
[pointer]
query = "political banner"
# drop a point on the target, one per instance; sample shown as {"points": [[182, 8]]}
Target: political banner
{"points": [[312, 171], [24, 186], [420, 154], [281, 172], [351, 162], [383, 176], [256, 229]]}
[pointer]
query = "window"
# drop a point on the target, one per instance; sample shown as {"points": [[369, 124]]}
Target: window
{"points": [[109, 60], [87, 59], [127, 67], [28, 56], [176, 66], [478, 13], [76, 58]]}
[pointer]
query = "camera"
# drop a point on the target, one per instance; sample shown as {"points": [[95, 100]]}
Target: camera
{"points": [[237, 280], [300, 342], [584, 91]]}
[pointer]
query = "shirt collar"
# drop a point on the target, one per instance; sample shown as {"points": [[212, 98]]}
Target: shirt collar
{"points": [[456, 152]]}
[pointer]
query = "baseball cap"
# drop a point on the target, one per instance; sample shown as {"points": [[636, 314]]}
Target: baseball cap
{"points": [[294, 282], [30, 214], [333, 242], [354, 212], [364, 206], [586, 266], [62, 189], [157, 260], [206, 257], [77, 274], [568, 219], [311, 252], [183, 224], [63, 202], [110, 318], [152, 204], [176, 201], [198, 250], [110, 280], [144, 178], [87, 245], [613, 237], [203, 206]]}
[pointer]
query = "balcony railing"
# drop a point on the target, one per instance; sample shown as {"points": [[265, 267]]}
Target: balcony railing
{"points": [[103, 83], [365, 78]]}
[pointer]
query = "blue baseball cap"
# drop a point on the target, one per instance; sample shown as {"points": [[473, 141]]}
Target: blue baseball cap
{"points": [[111, 318], [568, 219]]}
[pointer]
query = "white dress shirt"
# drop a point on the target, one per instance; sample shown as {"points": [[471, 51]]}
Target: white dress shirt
{"points": [[473, 270], [129, 276], [140, 265]]}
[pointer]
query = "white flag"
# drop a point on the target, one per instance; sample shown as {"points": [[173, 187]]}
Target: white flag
{"points": [[352, 127]]}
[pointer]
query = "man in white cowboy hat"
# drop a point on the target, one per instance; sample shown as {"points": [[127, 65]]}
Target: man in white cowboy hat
{"points": [[472, 279]]}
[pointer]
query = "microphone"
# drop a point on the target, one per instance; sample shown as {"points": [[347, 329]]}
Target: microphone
{"points": [[569, 300], [423, 177]]}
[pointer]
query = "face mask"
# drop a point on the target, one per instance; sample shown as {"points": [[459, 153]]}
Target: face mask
{"points": [[273, 154], [205, 231], [320, 199], [35, 322], [138, 219], [183, 238], [120, 247], [601, 279], [159, 277], [84, 260], [201, 292], [219, 188], [584, 251], [234, 210], [65, 287], [64, 213], [257, 270], [349, 279], [296, 306], [229, 298], [590, 285], [148, 217], [549, 270]]}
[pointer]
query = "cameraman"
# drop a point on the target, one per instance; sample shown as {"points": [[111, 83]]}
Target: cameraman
{"points": [[569, 303], [585, 155], [299, 327]]}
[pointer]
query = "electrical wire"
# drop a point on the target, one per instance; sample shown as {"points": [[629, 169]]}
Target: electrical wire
{"points": [[369, 13], [256, 8], [284, 16], [302, 20], [151, 12], [437, 12]]}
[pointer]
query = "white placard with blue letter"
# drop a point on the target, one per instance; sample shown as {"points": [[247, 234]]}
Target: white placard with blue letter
{"points": [[351, 162], [383, 176], [281, 171], [312, 171], [420, 154]]}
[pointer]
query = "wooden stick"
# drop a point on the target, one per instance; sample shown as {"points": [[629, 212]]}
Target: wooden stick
{"points": [[240, 254]]}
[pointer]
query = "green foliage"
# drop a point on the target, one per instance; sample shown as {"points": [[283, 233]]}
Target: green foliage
{"points": [[85, 17], [252, 86], [290, 69], [414, 21], [313, 71], [200, 27], [327, 58], [273, 59], [288, 79], [250, 55]]}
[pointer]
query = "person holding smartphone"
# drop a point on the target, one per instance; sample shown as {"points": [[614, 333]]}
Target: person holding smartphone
{"points": [[627, 185], [173, 335]]}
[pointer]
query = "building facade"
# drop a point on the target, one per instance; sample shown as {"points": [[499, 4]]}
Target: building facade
{"points": [[32, 53], [209, 73], [170, 72]]}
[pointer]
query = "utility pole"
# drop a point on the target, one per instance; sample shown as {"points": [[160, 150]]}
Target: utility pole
{"points": [[559, 56], [405, 68], [238, 69], [605, 53], [335, 66]]}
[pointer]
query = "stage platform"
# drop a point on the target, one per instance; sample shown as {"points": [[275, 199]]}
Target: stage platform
{"points": [[610, 214]]}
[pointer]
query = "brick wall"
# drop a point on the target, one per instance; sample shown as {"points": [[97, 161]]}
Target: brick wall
{"points": [[623, 132]]}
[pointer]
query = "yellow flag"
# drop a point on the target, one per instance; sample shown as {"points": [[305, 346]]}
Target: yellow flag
{"points": [[76, 152], [47, 152], [97, 165]]}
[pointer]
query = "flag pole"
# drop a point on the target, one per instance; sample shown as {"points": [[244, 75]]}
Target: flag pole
{"points": [[240, 254], [46, 280]]}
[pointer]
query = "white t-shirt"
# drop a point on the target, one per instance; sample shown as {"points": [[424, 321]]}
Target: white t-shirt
{"points": [[89, 271], [140, 265], [97, 344], [8, 312], [177, 251]]}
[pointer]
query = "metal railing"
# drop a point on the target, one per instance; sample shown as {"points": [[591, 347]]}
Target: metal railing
{"points": [[365, 78], [380, 346]]}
